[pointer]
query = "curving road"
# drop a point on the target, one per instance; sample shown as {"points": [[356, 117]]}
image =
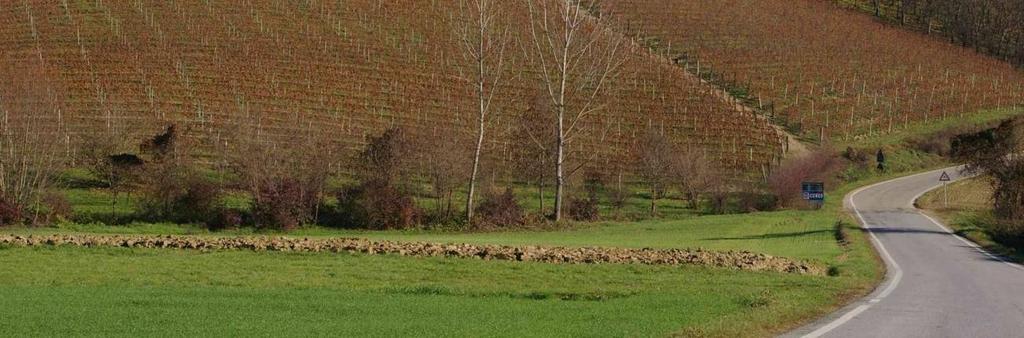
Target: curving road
{"points": [[937, 284]]}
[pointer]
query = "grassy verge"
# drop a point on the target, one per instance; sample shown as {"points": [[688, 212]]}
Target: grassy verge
{"points": [[969, 214]]}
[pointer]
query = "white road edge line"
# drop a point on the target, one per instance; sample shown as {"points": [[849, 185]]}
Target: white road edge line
{"points": [[961, 238], [897, 272], [966, 241], [842, 320]]}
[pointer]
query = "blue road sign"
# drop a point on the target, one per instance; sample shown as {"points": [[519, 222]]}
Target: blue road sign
{"points": [[814, 191]]}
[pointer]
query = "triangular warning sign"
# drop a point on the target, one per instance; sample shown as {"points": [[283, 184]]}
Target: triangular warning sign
{"points": [[944, 177]]}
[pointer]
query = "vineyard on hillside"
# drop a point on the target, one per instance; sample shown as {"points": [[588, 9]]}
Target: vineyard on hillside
{"points": [[992, 27], [822, 70], [298, 71]]}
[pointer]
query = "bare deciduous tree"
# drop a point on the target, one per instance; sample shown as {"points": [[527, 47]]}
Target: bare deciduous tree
{"points": [[31, 133], [575, 59], [656, 162], [483, 36], [285, 168], [696, 175], [533, 160]]}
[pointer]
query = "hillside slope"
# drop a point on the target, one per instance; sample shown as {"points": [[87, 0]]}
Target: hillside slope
{"points": [[285, 70], [992, 27], [821, 68]]}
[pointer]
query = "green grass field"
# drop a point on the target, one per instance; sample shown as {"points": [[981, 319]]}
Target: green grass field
{"points": [[91, 291], [111, 291]]}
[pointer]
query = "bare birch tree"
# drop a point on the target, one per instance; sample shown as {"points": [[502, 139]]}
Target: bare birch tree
{"points": [[575, 59], [483, 37]]}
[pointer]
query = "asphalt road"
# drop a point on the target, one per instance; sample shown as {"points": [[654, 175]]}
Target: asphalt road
{"points": [[937, 284]]}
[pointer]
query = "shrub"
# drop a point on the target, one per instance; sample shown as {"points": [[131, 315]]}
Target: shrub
{"points": [[842, 236], [995, 153], [387, 158], [584, 209], [10, 213], [499, 210], [754, 202], [856, 156], [1008, 232], [940, 142], [933, 145], [181, 198], [593, 183], [786, 181], [57, 207], [617, 197], [376, 205], [199, 201], [225, 219], [281, 204]]}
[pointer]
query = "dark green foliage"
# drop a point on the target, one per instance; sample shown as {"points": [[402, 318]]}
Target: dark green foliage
{"points": [[226, 219], [996, 152], [842, 236], [162, 145]]}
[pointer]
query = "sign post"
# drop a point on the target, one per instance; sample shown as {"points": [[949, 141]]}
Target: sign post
{"points": [[945, 179]]}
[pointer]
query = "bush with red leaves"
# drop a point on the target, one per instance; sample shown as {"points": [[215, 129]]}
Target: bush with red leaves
{"points": [[180, 197], [282, 204], [584, 209], [786, 181], [499, 210], [10, 213], [377, 205]]}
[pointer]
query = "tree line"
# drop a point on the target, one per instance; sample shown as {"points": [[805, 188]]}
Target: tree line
{"points": [[996, 153], [992, 27]]}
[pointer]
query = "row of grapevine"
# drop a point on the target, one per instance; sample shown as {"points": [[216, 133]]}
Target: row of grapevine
{"points": [[820, 69], [337, 70]]}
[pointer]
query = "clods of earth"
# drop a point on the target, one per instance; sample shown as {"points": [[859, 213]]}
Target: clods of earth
{"points": [[740, 260]]}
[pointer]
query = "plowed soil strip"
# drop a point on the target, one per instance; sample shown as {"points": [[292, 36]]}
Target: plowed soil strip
{"points": [[739, 260]]}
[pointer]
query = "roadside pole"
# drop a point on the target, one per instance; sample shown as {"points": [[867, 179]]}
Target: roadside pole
{"points": [[945, 189], [945, 195]]}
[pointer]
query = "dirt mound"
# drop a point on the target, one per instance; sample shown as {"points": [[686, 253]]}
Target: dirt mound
{"points": [[741, 260]]}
